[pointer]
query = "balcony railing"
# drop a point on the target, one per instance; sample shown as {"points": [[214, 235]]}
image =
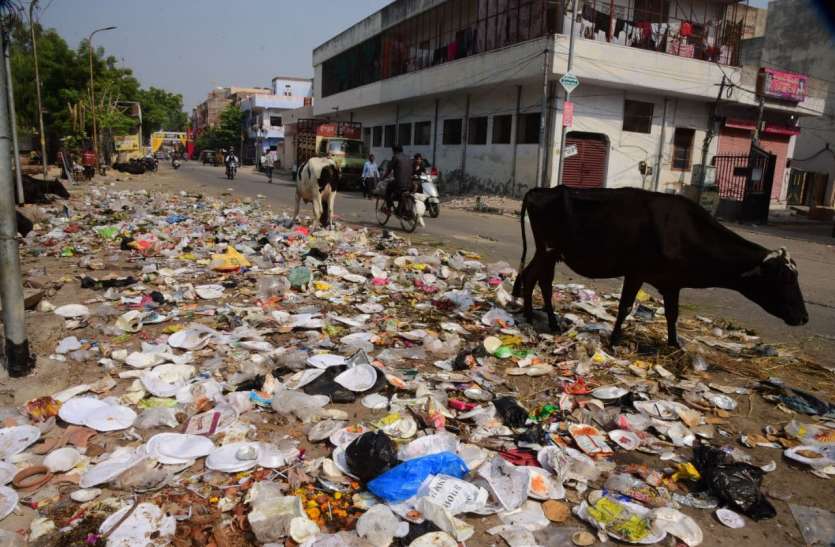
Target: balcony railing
{"points": [[711, 34]]}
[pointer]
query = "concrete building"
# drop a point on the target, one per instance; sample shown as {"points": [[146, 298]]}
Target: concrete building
{"points": [[263, 122], [207, 113], [811, 180], [461, 81]]}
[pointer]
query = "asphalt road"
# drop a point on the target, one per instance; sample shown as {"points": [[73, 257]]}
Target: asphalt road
{"points": [[498, 238]]}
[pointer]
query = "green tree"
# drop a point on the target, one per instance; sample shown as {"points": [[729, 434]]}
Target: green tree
{"points": [[65, 91], [227, 133]]}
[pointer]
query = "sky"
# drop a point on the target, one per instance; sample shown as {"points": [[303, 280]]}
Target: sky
{"points": [[192, 46]]}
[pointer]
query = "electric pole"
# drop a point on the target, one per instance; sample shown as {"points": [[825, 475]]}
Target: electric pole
{"points": [[709, 134], [37, 87], [18, 359], [564, 129], [13, 116], [540, 151]]}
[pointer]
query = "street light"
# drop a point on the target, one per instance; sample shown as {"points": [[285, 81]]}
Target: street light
{"points": [[93, 93]]}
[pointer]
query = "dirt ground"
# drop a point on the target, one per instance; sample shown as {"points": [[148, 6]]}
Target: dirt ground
{"points": [[790, 483]]}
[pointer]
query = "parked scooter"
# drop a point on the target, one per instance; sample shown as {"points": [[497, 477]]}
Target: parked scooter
{"points": [[175, 163], [432, 200]]}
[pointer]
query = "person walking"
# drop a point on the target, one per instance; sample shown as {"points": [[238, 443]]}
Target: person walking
{"points": [[370, 177], [269, 162]]}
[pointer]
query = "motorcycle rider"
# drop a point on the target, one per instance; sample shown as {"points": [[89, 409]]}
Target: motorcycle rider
{"points": [[402, 167], [419, 168], [230, 158]]}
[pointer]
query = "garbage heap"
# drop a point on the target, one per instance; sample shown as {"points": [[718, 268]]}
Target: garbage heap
{"points": [[245, 381]]}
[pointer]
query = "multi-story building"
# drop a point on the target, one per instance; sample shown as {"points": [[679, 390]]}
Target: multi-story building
{"points": [[811, 177], [263, 122], [207, 113], [468, 83]]}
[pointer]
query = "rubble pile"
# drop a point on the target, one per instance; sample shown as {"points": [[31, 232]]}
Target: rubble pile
{"points": [[246, 381]]}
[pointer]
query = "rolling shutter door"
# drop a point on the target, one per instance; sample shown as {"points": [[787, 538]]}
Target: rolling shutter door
{"points": [[587, 169]]}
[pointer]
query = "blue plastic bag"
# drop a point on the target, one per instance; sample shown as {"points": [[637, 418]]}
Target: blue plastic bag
{"points": [[402, 482]]}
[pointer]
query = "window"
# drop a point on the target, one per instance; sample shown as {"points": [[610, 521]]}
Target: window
{"points": [[637, 116], [389, 136], [477, 131], [275, 121], [423, 133], [452, 131], [366, 136], [501, 129], [378, 136], [682, 148], [527, 131], [404, 134]]}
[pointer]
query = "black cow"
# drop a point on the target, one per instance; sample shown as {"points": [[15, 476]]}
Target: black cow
{"points": [[24, 225], [667, 241], [36, 190]]}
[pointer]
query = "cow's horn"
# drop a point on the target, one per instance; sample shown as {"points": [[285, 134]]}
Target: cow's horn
{"points": [[773, 254]]}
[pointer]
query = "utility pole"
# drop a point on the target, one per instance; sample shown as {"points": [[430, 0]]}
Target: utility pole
{"points": [[93, 92], [709, 134], [18, 359], [13, 116], [757, 129], [540, 151], [32, 5], [563, 131]]}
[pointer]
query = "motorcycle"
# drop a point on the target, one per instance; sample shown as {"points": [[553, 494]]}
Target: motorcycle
{"points": [[433, 201], [231, 169], [175, 163]]}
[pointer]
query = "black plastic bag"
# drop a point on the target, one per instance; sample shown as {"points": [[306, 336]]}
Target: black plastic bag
{"points": [[512, 414], [371, 455], [325, 385], [734, 484]]}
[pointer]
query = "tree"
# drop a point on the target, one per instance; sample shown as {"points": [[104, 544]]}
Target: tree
{"points": [[65, 90], [227, 133]]}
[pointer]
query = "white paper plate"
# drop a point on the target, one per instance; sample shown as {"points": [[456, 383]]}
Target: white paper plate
{"points": [[345, 436], [111, 418], [303, 377], [730, 518], [826, 454], [359, 378], [340, 459], [190, 338], [209, 292], [625, 439], [225, 458], [608, 393], [324, 429], [542, 486], [178, 448], [8, 501], [375, 401], [326, 360], [14, 440], [62, 460], [146, 520], [70, 311], [76, 410], [166, 380], [7, 472], [114, 466]]}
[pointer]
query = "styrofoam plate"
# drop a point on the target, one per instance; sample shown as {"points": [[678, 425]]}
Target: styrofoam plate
{"points": [[339, 458], [625, 439], [14, 440], [119, 462], [326, 360], [359, 378], [225, 458], [8, 501], [324, 429], [7, 472], [178, 448], [346, 435], [76, 410], [111, 418]]}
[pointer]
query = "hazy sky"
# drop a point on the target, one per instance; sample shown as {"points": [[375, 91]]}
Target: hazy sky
{"points": [[191, 46]]}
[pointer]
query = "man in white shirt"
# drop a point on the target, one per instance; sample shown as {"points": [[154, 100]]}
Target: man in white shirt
{"points": [[268, 162], [370, 176]]}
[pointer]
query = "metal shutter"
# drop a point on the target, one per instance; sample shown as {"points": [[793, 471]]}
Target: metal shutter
{"points": [[588, 168]]}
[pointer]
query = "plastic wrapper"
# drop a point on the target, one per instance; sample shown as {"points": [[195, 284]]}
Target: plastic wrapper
{"points": [[403, 482]]}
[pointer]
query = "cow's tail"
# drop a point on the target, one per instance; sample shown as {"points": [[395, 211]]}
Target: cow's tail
{"points": [[517, 285]]}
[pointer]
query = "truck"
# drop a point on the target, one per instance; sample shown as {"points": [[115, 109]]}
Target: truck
{"points": [[310, 137]]}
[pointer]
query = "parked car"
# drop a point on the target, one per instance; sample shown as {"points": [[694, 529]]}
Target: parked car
{"points": [[208, 156]]}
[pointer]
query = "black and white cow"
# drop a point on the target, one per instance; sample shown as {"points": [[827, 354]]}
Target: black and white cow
{"points": [[318, 183]]}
